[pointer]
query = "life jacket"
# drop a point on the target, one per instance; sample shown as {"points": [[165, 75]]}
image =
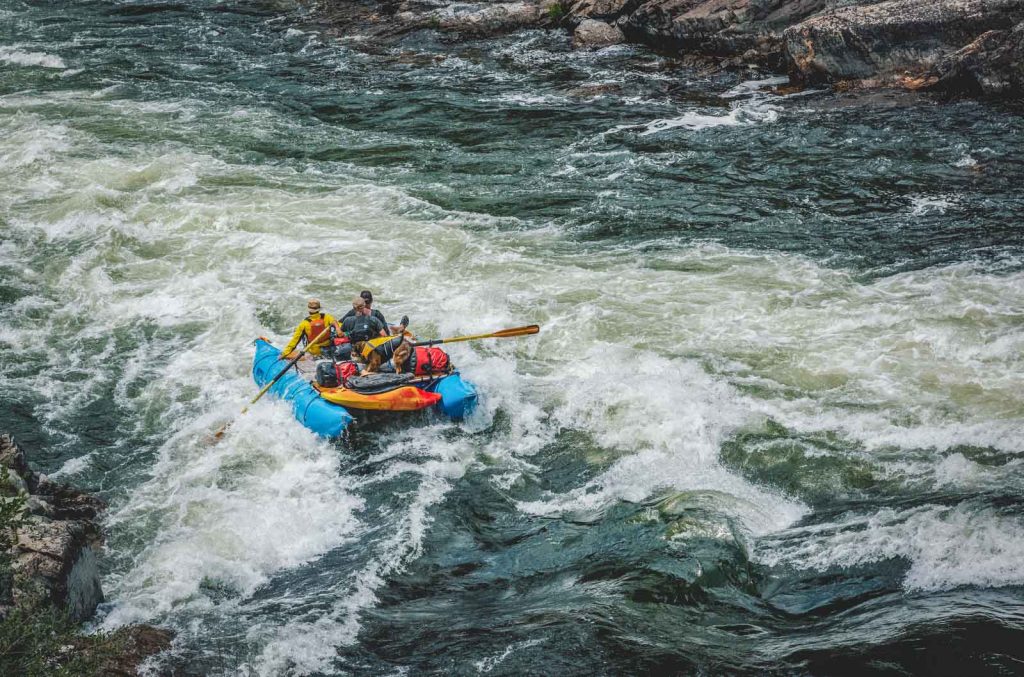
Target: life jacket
{"points": [[430, 360], [316, 327], [384, 346]]}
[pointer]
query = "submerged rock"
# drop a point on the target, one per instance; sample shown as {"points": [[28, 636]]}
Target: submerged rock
{"points": [[135, 644]]}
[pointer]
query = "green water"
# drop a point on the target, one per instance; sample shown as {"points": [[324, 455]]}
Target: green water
{"points": [[773, 421]]}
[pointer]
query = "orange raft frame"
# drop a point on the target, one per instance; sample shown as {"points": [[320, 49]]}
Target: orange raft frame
{"points": [[406, 398]]}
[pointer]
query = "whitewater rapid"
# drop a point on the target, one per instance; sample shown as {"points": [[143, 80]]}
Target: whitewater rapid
{"points": [[149, 243]]}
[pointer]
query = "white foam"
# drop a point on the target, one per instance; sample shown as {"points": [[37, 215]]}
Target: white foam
{"points": [[748, 87], [28, 139], [487, 664], [748, 113], [928, 204], [17, 57], [73, 466], [265, 498], [310, 646], [173, 260], [684, 417], [946, 547]]}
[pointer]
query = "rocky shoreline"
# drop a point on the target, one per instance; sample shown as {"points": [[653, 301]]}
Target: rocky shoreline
{"points": [[954, 47], [52, 562]]}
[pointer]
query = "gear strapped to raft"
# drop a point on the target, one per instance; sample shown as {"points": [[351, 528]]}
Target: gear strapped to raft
{"points": [[330, 374], [372, 384], [429, 360]]}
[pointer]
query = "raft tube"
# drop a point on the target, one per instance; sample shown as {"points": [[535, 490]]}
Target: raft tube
{"points": [[458, 398], [311, 410]]}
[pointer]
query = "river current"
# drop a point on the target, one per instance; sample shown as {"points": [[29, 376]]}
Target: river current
{"points": [[773, 423]]}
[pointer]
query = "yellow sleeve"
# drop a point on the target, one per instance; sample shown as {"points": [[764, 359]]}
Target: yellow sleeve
{"points": [[296, 337]]}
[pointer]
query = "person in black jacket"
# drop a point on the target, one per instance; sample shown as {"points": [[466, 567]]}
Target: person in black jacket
{"points": [[370, 341], [367, 297]]}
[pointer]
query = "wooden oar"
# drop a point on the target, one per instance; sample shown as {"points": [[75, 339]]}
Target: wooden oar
{"points": [[504, 333], [263, 391]]}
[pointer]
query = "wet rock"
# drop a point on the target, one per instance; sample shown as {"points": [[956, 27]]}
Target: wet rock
{"points": [[992, 65], [593, 34], [55, 562], [21, 477], [135, 644], [723, 28], [959, 46], [490, 19], [589, 91], [45, 497], [891, 41], [604, 10], [54, 555]]}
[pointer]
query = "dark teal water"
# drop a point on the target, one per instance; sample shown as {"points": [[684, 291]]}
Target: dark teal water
{"points": [[773, 423]]}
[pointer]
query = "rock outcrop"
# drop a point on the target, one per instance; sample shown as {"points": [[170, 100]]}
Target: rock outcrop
{"points": [[992, 65], [893, 41], [970, 47], [54, 556], [491, 19], [52, 562], [720, 28]]}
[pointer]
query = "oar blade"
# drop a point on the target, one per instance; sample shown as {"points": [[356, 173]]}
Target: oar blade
{"points": [[517, 331]]}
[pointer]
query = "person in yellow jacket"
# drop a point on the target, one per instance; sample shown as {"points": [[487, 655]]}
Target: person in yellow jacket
{"points": [[310, 328]]}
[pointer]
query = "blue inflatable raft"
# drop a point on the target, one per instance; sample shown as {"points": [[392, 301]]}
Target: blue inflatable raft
{"points": [[327, 419]]}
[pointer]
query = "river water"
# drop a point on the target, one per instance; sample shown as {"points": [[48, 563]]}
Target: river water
{"points": [[773, 422]]}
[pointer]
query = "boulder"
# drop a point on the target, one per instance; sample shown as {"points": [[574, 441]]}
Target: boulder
{"points": [[489, 19], [719, 28], [896, 39], [137, 643], [54, 555], [593, 34], [45, 497], [54, 562], [605, 10], [991, 65]]}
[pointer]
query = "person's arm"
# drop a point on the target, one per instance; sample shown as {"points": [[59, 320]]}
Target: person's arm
{"points": [[380, 318], [397, 329], [329, 322], [296, 337]]}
